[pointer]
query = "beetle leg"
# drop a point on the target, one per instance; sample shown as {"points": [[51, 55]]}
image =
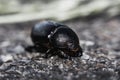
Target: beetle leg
{"points": [[30, 49], [41, 49], [80, 53], [36, 49], [49, 53], [63, 55]]}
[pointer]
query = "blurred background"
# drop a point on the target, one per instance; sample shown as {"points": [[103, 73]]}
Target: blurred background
{"points": [[60, 10], [96, 22]]}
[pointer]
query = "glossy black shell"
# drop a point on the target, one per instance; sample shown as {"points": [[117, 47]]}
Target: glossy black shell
{"points": [[58, 36], [41, 31]]}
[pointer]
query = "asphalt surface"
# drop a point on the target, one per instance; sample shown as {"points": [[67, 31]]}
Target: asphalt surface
{"points": [[99, 39]]}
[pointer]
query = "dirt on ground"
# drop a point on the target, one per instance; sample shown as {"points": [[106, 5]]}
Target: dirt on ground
{"points": [[99, 39]]}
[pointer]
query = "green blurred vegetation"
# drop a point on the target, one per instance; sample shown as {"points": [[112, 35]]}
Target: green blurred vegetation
{"points": [[60, 10]]}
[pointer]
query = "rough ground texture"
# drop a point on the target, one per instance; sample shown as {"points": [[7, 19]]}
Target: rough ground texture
{"points": [[100, 40]]}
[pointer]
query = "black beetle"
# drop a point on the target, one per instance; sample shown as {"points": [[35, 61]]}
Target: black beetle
{"points": [[55, 39]]}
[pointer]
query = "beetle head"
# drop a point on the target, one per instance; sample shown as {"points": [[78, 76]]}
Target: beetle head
{"points": [[73, 50]]}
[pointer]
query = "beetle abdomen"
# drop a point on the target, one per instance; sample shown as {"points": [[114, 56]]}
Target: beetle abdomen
{"points": [[41, 31]]}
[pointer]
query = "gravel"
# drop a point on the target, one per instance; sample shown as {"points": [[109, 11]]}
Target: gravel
{"points": [[99, 39]]}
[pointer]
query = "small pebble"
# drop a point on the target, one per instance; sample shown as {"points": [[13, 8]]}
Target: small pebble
{"points": [[19, 49], [87, 43], [6, 58], [85, 56]]}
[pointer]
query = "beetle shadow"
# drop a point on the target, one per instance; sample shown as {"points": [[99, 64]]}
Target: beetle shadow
{"points": [[33, 48], [46, 55]]}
